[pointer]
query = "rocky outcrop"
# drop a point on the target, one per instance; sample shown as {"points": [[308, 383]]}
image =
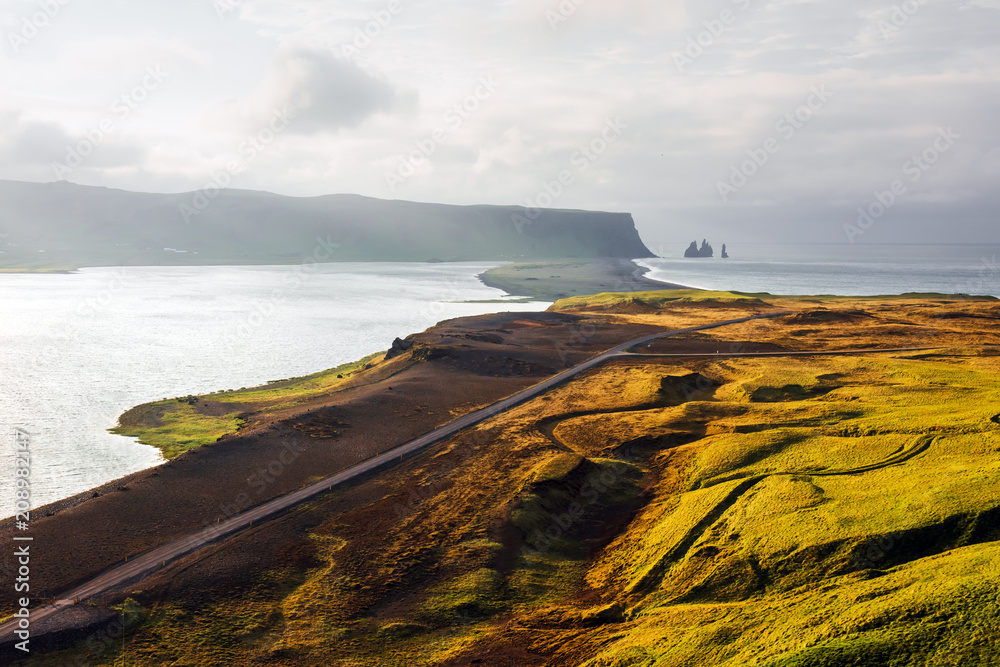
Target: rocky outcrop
{"points": [[704, 251], [399, 346], [725, 255]]}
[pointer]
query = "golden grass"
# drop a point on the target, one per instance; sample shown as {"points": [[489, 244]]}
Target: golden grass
{"points": [[652, 300], [820, 511], [175, 426]]}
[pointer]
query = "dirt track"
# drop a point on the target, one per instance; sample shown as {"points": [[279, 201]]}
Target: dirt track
{"points": [[135, 567]]}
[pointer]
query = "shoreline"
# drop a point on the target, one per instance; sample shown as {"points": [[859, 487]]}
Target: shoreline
{"points": [[42, 271], [573, 275], [432, 378], [551, 280], [143, 421], [604, 267], [578, 276], [282, 449]]}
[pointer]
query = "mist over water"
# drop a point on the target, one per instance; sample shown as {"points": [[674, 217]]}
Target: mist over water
{"points": [[858, 270], [77, 350]]}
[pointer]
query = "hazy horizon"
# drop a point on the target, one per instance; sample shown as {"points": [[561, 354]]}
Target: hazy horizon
{"points": [[729, 119]]}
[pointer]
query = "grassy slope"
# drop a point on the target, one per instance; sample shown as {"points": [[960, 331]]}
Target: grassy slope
{"points": [[60, 225], [179, 424], [812, 564], [815, 511], [652, 300], [659, 298]]}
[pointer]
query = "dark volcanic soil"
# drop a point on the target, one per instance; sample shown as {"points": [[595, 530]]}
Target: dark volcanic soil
{"points": [[452, 369]]}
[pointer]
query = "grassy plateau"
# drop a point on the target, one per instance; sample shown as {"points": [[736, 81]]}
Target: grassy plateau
{"points": [[793, 510], [177, 425]]}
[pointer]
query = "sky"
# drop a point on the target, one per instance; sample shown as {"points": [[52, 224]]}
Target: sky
{"points": [[742, 121]]}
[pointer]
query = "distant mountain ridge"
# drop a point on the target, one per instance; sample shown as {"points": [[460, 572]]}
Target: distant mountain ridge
{"points": [[64, 225]]}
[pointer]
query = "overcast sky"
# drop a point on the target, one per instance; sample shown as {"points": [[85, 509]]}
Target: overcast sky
{"points": [[740, 120]]}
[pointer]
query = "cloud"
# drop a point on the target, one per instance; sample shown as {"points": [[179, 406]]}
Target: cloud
{"points": [[39, 142], [355, 118], [34, 147], [324, 93], [509, 151], [644, 16], [291, 13]]}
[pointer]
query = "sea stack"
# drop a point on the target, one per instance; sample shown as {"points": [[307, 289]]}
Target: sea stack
{"points": [[704, 251], [725, 255]]}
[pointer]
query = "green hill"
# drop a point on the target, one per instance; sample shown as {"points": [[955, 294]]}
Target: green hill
{"points": [[61, 225]]}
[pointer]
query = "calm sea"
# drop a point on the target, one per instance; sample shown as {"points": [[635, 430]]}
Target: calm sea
{"points": [[77, 350], [858, 270]]}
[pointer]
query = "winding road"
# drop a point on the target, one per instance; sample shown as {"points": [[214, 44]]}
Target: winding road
{"points": [[143, 565]]}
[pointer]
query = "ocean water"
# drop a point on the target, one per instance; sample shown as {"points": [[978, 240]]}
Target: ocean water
{"points": [[858, 270], [77, 350]]}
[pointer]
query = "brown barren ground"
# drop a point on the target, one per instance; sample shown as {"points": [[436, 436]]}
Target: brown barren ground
{"points": [[455, 368], [443, 559]]}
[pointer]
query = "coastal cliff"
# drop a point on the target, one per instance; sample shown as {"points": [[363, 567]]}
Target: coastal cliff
{"points": [[63, 226]]}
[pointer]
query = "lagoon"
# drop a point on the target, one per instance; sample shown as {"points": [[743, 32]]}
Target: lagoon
{"points": [[78, 349]]}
